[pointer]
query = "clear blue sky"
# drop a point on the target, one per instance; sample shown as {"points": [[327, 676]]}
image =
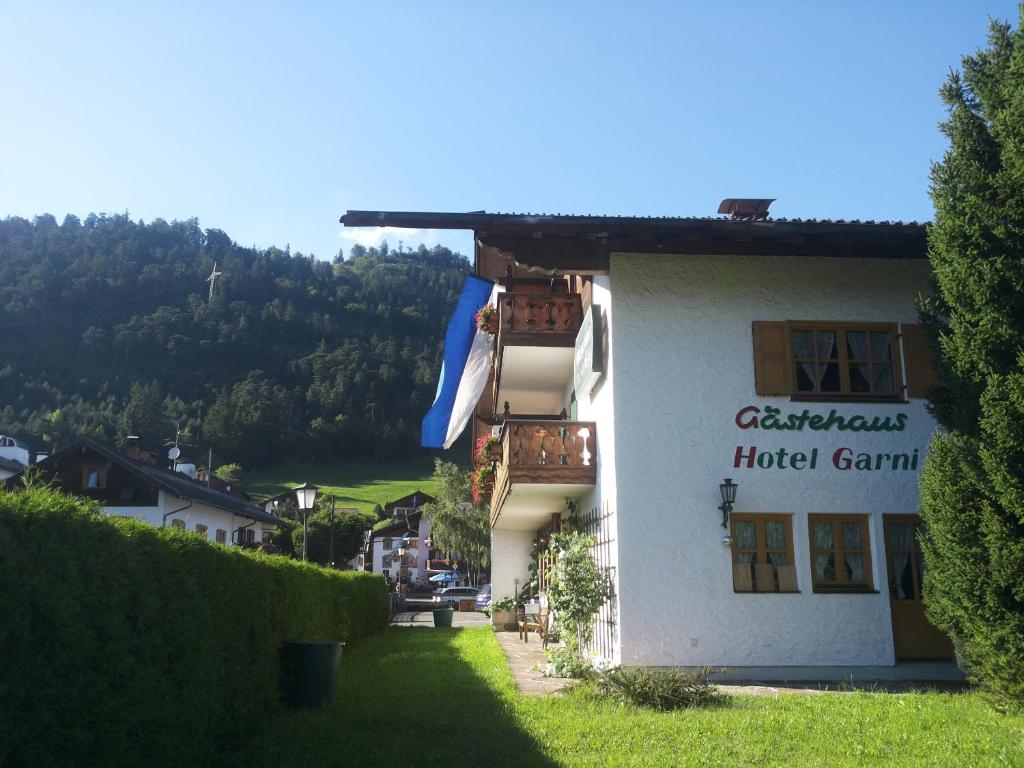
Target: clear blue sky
{"points": [[269, 120]]}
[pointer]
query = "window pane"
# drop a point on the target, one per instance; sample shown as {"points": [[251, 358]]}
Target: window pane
{"points": [[823, 534], [746, 557], [860, 377], [883, 384], [803, 344], [880, 346], [851, 535], [746, 534], [805, 377], [829, 377], [855, 568], [825, 345], [857, 345], [824, 568], [774, 534], [899, 535], [902, 577], [777, 558]]}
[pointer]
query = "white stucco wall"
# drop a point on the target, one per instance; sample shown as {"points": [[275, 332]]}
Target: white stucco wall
{"points": [[683, 367], [599, 408], [510, 560], [196, 514]]}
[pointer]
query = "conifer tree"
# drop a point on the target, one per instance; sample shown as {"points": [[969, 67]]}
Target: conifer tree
{"points": [[972, 488]]}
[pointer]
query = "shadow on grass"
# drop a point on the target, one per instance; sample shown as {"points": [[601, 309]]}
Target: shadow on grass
{"points": [[409, 697]]}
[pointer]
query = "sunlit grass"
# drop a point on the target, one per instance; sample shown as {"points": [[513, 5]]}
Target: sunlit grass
{"points": [[446, 698], [353, 485]]}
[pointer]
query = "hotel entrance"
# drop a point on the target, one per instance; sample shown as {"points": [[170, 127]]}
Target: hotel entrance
{"points": [[913, 635]]}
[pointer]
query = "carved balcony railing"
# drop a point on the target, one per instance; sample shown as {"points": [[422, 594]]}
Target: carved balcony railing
{"points": [[539, 319], [550, 320], [544, 451], [438, 565]]}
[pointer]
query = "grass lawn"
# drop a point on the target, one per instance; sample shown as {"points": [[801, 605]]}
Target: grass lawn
{"points": [[423, 697], [353, 485]]}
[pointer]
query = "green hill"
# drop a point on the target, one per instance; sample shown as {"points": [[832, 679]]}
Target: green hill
{"points": [[352, 485], [109, 327]]}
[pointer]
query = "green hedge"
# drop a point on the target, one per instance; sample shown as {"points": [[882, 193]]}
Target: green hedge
{"points": [[123, 644]]}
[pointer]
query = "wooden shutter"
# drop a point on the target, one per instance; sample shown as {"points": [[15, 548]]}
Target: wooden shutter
{"points": [[917, 357], [764, 577], [742, 578], [773, 370], [787, 578]]}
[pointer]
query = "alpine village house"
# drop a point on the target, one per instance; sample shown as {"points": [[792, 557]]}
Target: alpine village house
{"points": [[402, 548], [133, 485], [734, 407]]}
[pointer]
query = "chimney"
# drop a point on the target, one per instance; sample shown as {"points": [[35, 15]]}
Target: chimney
{"points": [[132, 446], [746, 208]]}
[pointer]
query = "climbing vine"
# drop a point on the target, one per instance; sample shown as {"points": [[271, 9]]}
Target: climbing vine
{"points": [[577, 590]]}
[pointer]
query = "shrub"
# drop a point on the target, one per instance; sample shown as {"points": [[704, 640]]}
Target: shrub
{"points": [[505, 604], [972, 486], [124, 644], [660, 687], [578, 589], [566, 661]]}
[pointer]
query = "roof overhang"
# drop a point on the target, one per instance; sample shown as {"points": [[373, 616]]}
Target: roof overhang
{"points": [[584, 243]]}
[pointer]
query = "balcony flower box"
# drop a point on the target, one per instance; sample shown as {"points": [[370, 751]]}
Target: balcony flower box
{"points": [[483, 482], [487, 319], [488, 449]]}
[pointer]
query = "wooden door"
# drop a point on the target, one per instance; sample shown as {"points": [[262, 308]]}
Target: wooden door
{"points": [[914, 636]]}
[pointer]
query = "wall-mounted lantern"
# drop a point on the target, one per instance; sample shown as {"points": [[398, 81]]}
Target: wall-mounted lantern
{"points": [[728, 489]]}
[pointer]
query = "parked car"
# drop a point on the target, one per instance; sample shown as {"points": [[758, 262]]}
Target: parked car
{"points": [[483, 597], [452, 595]]}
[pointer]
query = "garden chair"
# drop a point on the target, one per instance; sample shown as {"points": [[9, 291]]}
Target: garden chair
{"points": [[533, 622]]}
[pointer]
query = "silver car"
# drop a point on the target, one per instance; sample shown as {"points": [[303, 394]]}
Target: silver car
{"points": [[452, 595]]}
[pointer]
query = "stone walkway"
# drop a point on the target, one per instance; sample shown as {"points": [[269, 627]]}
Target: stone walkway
{"points": [[526, 661]]}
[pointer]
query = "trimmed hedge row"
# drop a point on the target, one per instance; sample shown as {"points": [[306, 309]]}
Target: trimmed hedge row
{"points": [[123, 644]]}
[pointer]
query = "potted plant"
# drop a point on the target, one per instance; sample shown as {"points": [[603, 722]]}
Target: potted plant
{"points": [[487, 319], [502, 613]]}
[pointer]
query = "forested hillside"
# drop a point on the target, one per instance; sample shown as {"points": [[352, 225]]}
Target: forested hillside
{"points": [[106, 329]]}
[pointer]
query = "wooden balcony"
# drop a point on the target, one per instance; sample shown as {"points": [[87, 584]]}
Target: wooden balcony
{"points": [[533, 356], [543, 461], [539, 319]]}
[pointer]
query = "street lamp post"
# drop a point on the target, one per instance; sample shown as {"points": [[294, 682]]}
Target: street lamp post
{"points": [[402, 549], [305, 494], [330, 561]]}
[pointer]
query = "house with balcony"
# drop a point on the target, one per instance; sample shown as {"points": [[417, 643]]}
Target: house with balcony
{"points": [[134, 485], [733, 406], [402, 549]]}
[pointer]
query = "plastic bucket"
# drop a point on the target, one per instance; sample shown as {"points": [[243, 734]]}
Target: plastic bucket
{"points": [[310, 672], [443, 617]]}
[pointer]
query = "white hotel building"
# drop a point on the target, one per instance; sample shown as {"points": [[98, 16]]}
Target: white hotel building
{"points": [[640, 363]]}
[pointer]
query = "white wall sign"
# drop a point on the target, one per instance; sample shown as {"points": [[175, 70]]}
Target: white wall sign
{"points": [[588, 358]]}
